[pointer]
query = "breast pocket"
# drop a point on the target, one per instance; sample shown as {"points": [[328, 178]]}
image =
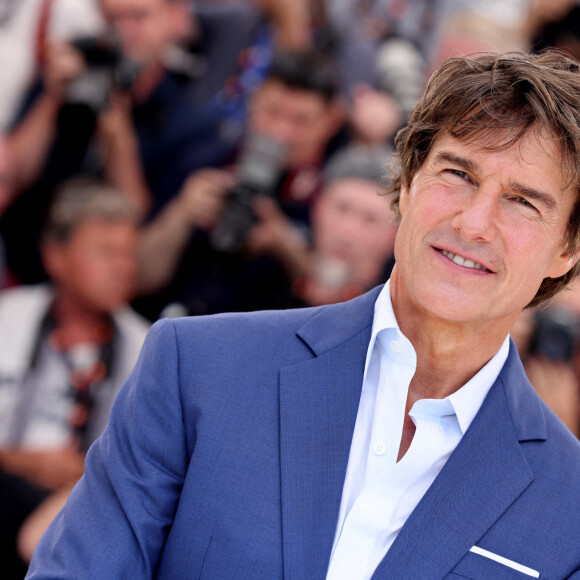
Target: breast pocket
{"points": [[476, 567]]}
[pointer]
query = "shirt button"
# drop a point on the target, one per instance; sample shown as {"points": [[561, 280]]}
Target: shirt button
{"points": [[379, 448], [395, 346]]}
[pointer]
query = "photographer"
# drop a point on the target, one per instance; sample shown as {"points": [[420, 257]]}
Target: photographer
{"points": [[195, 253], [352, 234], [110, 106], [66, 347]]}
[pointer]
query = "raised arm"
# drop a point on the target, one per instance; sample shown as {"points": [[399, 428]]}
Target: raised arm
{"points": [[120, 151], [164, 239], [32, 138]]}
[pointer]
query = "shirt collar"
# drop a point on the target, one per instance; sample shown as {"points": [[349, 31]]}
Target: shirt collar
{"points": [[467, 400], [385, 323]]}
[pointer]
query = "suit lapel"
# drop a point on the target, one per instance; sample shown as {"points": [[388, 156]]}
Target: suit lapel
{"points": [[318, 407], [483, 477]]}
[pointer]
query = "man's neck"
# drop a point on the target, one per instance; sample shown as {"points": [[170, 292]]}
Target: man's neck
{"points": [[448, 353], [76, 320], [147, 81]]}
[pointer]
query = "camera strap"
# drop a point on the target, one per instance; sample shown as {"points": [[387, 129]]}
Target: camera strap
{"points": [[42, 33]]}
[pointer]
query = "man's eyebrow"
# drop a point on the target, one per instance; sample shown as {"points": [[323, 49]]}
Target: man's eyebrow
{"points": [[463, 162], [545, 199], [471, 166]]}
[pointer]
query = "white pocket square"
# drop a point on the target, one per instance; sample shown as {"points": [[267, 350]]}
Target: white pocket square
{"points": [[505, 561]]}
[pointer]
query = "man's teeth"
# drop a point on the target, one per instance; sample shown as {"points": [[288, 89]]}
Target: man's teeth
{"points": [[462, 261]]}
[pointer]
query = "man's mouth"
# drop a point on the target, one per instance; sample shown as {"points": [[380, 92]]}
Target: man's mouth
{"points": [[465, 262]]}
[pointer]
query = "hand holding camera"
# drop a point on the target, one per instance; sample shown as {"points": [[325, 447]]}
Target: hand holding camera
{"points": [[258, 173], [105, 69], [202, 198], [63, 64], [273, 233]]}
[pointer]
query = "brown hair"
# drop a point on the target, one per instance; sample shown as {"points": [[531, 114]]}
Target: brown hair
{"points": [[478, 96]]}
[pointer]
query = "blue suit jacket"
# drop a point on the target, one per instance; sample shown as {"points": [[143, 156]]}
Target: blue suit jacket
{"points": [[227, 449]]}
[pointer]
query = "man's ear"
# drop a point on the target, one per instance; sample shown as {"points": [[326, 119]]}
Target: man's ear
{"points": [[182, 21], [53, 259], [403, 198], [256, 97], [335, 116], [563, 263]]}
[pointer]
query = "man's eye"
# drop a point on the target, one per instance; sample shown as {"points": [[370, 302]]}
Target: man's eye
{"points": [[523, 201], [460, 174]]}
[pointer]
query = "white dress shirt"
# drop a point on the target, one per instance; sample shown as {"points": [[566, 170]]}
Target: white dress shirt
{"points": [[379, 494]]}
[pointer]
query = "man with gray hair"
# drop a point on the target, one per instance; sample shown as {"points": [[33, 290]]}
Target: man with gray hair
{"points": [[66, 347], [352, 234]]}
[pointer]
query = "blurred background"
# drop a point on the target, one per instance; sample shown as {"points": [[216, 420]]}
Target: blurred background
{"points": [[186, 157]]}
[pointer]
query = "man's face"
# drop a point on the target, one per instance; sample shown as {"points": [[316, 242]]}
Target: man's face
{"points": [[353, 224], [481, 229], [144, 27], [301, 120], [97, 264]]}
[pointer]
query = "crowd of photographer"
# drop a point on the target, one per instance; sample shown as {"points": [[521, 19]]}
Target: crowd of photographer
{"points": [[195, 158]]}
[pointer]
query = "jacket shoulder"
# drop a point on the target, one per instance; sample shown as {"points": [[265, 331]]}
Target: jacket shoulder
{"points": [[561, 451], [319, 328]]}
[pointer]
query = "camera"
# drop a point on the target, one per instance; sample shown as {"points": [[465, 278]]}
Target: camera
{"points": [[555, 333], [258, 172], [106, 69]]}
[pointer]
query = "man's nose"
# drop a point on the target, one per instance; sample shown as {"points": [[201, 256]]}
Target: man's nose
{"points": [[123, 25], [282, 130], [476, 219]]}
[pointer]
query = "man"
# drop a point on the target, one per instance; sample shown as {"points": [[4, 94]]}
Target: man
{"points": [[353, 234], [67, 347], [292, 117], [113, 106], [243, 446]]}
